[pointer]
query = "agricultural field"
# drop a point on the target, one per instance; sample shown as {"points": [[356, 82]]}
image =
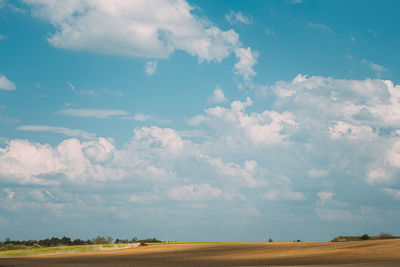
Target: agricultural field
{"points": [[63, 249], [352, 253]]}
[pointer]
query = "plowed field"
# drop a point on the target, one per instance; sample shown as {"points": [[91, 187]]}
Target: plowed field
{"points": [[357, 253]]}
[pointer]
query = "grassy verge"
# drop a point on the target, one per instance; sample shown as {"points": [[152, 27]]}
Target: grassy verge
{"points": [[61, 249]]}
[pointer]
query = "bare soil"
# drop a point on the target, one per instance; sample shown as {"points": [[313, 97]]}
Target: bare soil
{"points": [[356, 253]]}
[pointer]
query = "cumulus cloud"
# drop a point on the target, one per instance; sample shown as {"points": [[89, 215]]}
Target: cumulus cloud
{"points": [[249, 175], [65, 131], [370, 103], [340, 129], [6, 84], [235, 125], [217, 96], [280, 188], [345, 132], [95, 113], [29, 163], [238, 17], [151, 67], [247, 59], [145, 28], [164, 138], [355, 119]]}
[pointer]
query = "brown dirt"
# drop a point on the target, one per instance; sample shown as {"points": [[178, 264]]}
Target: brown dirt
{"points": [[358, 253]]}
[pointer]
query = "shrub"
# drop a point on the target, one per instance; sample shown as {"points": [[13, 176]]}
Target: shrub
{"points": [[364, 237]]}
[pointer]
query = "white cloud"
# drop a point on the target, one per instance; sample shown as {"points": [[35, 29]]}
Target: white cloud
{"points": [[340, 129], [32, 163], [10, 195], [141, 28], [89, 92], [317, 173], [236, 126], [296, 2], [249, 175], [320, 27], [151, 67], [142, 117], [329, 209], [95, 113], [65, 131], [137, 28], [393, 154], [378, 69], [237, 17], [217, 96], [284, 193], [368, 103], [247, 59], [194, 192], [331, 215], [393, 193], [2, 37], [325, 197], [164, 138], [6, 84], [378, 176], [279, 188]]}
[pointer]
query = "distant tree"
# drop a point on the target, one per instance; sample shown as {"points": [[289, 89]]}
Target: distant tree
{"points": [[134, 240], [109, 240], [99, 240], [364, 237], [150, 240], [270, 240], [66, 241]]}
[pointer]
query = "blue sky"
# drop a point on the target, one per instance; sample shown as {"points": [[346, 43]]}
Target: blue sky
{"points": [[199, 120]]}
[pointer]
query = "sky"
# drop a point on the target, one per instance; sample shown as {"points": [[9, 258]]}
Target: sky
{"points": [[192, 120]]}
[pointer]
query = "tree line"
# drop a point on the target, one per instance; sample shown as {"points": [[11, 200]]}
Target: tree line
{"points": [[8, 244]]}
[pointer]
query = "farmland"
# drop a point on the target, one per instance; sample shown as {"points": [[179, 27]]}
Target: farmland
{"points": [[353, 253]]}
